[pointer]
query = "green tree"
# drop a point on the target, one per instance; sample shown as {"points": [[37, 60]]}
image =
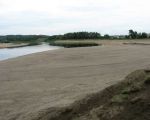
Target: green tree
{"points": [[144, 35], [133, 34], [106, 36]]}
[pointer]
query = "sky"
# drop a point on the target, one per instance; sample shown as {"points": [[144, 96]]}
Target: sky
{"points": [[51, 17]]}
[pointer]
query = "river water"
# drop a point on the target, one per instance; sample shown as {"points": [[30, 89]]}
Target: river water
{"points": [[7, 53]]}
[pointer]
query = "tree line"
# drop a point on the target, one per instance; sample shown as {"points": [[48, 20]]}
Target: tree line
{"points": [[136, 35], [20, 38], [77, 35], [74, 35], [95, 35]]}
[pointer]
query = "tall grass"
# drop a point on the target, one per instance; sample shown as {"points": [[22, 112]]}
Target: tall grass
{"points": [[71, 44]]}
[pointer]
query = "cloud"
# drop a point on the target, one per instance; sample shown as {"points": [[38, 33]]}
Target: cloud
{"points": [[60, 16]]}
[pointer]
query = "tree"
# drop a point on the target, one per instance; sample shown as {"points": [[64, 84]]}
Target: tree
{"points": [[144, 35], [106, 36], [82, 35], [133, 34]]}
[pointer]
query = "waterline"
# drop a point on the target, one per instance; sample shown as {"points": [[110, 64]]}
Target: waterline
{"points": [[8, 53]]}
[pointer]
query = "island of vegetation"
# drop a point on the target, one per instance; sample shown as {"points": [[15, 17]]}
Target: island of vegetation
{"points": [[74, 39]]}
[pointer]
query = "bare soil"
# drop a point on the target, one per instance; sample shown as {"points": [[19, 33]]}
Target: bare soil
{"points": [[112, 103], [41, 84]]}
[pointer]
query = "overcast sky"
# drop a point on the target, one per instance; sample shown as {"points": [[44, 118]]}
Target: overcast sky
{"points": [[61, 16]]}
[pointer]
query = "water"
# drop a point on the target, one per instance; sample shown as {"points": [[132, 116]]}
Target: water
{"points": [[7, 53]]}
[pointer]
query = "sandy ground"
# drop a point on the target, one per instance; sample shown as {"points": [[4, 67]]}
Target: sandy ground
{"points": [[113, 42], [11, 45], [39, 81]]}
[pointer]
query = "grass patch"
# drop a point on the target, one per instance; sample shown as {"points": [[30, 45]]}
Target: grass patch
{"points": [[71, 44], [132, 89], [126, 91], [119, 98], [147, 80]]}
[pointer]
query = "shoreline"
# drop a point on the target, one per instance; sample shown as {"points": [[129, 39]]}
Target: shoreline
{"points": [[12, 53], [26, 55], [11, 45]]}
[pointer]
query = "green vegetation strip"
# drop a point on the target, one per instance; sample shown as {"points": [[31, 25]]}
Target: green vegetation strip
{"points": [[68, 44]]}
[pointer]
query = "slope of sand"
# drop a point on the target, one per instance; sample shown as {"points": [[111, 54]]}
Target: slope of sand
{"points": [[126, 100], [32, 84]]}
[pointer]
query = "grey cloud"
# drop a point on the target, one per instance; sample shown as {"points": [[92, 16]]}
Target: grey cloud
{"points": [[104, 16]]}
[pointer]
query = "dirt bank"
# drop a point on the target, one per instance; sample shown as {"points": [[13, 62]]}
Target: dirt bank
{"points": [[33, 84], [126, 100]]}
